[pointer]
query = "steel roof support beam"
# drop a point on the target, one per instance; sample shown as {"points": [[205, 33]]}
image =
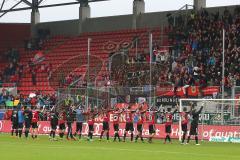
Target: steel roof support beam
{"points": [[27, 3], [44, 6], [2, 5], [40, 2], [12, 8]]}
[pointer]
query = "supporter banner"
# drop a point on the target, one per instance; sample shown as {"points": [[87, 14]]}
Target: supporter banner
{"points": [[209, 130], [192, 91], [38, 58]]}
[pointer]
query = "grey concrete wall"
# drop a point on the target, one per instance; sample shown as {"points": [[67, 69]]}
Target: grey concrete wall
{"points": [[113, 23], [69, 28], [154, 19]]}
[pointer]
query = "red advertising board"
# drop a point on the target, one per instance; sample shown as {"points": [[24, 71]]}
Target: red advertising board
{"points": [[206, 131]]}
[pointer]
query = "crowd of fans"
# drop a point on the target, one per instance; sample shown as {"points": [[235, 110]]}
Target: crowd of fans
{"points": [[12, 73], [195, 58], [198, 49], [43, 102]]}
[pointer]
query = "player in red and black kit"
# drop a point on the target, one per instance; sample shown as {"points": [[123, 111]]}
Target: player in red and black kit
{"points": [[14, 119], [34, 124], [105, 128], [194, 124], [116, 116], [150, 118], [91, 120], [27, 113], [140, 119], [70, 120], [129, 123], [168, 124], [61, 124], [184, 123], [53, 122]]}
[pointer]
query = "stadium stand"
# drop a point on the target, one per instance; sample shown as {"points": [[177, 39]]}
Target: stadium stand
{"points": [[192, 61]]}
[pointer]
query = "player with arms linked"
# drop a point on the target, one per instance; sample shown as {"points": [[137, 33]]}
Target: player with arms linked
{"points": [[194, 124]]}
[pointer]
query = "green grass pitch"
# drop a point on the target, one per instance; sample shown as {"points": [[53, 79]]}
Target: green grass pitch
{"points": [[43, 149]]}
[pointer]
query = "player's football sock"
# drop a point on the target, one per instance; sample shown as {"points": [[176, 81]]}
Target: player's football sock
{"points": [[142, 139], [183, 138], [53, 134], [91, 135], [150, 140], [107, 135], [136, 138], [35, 136], [119, 139], [124, 136], [80, 136], [20, 133], [26, 133], [196, 139], [12, 132], [131, 136], [115, 136], [71, 135], [169, 138], [188, 139], [32, 136], [16, 132], [165, 140], [62, 134], [101, 134]]}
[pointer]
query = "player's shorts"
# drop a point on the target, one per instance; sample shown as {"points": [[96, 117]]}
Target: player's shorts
{"points": [[116, 127], [168, 128], [20, 125], [62, 126], [184, 127], [193, 130], [105, 126], [90, 127], [15, 126], [129, 126], [53, 126], [151, 128], [79, 126], [27, 124], [69, 124], [139, 127], [34, 125]]}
